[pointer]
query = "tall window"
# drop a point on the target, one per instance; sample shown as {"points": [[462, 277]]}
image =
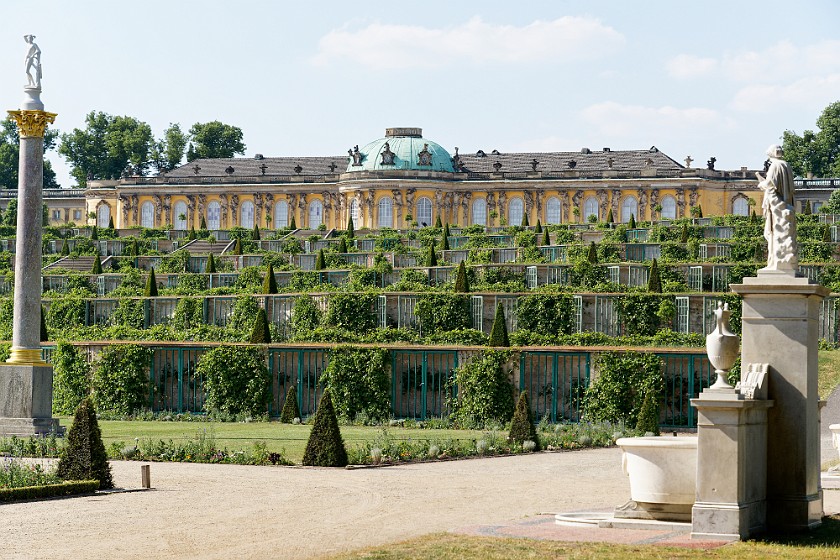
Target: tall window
{"points": [[354, 213], [246, 214], [669, 208], [386, 213], [740, 207], [516, 208], [281, 214], [214, 215], [147, 215], [103, 215], [629, 207], [552, 211], [316, 214], [479, 212], [590, 208], [424, 211], [180, 209]]}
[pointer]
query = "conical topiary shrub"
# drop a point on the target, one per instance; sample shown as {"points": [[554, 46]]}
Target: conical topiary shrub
{"points": [[290, 406], [499, 333], [351, 230], [191, 236], [45, 335], [522, 425], [546, 239], [525, 219], [654, 282], [151, 285], [237, 247], [255, 234], [84, 457], [342, 246], [97, 265], [807, 209], [631, 223], [462, 283], [110, 222], [610, 218], [699, 211], [538, 228], [261, 334], [592, 255], [648, 421], [135, 250], [94, 233], [826, 234], [211, 264], [202, 224], [444, 243], [65, 249], [684, 234], [431, 256], [446, 230], [325, 447], [270, 282], [320, 261], [293, 223], [438, 223]]}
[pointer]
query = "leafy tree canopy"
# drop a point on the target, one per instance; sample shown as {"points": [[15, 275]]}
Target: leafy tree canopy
{"points": [[10, 153], [214, 140], [166, 154], [816, 152]]}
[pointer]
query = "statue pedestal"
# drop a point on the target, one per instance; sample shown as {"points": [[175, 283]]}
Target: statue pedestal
{"points": [[26, 400], [730, 500], [780, 327]]}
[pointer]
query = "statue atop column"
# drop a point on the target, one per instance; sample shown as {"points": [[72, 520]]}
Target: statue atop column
{"points": [[779, 215], [33, 63]]}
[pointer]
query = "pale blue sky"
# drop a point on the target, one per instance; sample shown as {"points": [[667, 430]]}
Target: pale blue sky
{"points": [[708, 78]]}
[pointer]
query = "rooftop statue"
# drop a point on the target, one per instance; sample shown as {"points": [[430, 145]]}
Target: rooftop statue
{"points": [[779, 216], [33, 63]]}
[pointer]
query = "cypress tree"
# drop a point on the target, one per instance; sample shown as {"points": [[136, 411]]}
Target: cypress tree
{"points": [[826, 235], [462, 284], [211, 264], [342, 245], [753, 218], [546, 240], [65, 249], [84, 457], [320, 262], [438, 223], [499, 333], [351, 232], [151, 285], [699, 211], [293, 224], [94, 233], [270, 282], [684, 234], [807, 209], [134, 250], [649, 414], [446, 230], [191, 235], [592, 255], [97, 265], [431, 258], [522, 425], [325, 447], [610, 218], [525, 219], [290, 407], [237, 247], [261, 334], [654, 283], [45, 335], [631, 223], [202, 224], [255, 235], [111, 222], [444, 243], [538, 229]]}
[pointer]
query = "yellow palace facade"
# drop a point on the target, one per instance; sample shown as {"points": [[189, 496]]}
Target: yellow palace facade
{"points": [[404, 178]]}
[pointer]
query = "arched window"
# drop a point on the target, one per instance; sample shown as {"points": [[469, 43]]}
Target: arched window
{"points": [[316, 213], [214, 212], [479, 212], [590, 208], [246, 214], [103, 216], [669, 208], [354, 214], [552, 210], [424, 211], [740, 206], [281, 215], [629, 207], [147, 215], [386, 213], [516, 208], [180, 209]]}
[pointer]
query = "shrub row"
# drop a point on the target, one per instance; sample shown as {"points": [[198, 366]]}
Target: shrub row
{"points": [[68, 488]]}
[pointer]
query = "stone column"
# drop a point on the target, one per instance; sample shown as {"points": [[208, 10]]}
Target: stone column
{"points": [[780, 318], [25, 379]]}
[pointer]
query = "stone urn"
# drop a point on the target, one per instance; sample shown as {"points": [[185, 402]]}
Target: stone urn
{"points": [[722, 346]]}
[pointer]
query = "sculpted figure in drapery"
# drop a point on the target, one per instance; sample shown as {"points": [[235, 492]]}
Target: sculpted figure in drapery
{"points": [[327, 198], [603, 201], [409, 201], [258, 208], [778, 209], [502, 205], [158, 208], [643, 202], [398, 206], [465, 206], [269, 206], [680, 202], [576, 198], [125, 204], [234, 206], [202, 204], [223, 210], [190, 210]]}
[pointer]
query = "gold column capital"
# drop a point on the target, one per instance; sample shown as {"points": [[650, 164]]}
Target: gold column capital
{"points": [[32, 124], [26, 356]]}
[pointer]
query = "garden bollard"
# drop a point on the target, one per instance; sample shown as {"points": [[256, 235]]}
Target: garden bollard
{"points": [[145, 476]]}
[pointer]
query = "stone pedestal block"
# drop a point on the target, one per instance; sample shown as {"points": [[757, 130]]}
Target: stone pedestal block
{"points": [[780, 318], [730, 501], [26, 400]]}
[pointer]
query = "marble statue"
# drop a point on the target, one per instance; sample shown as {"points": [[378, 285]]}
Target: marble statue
{"points": [[33, 62], [779, 216]]}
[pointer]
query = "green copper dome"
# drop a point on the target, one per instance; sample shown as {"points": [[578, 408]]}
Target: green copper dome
{"points": [[402, 149]]}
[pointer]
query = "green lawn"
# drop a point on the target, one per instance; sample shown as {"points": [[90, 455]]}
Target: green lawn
{"points": [[829, 372]]}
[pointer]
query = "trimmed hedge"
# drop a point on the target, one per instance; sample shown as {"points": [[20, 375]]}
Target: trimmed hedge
{"points": [[68, 488]]}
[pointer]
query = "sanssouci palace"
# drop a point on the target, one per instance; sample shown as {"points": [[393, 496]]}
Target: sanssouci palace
{"points": [[403, 178]]}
